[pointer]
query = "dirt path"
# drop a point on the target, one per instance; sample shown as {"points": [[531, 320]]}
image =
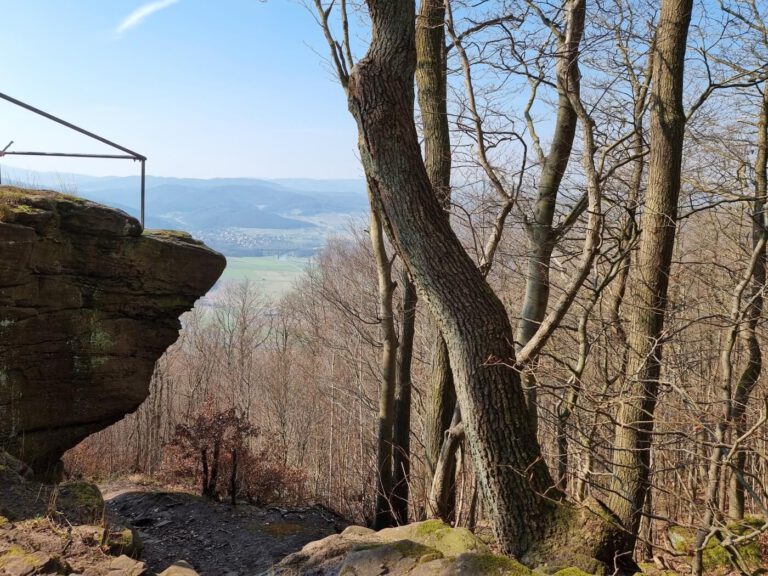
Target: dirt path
{"points": [[217, 539]]}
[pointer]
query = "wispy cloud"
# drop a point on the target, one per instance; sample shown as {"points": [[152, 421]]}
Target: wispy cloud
{"points": [[141, 13]]}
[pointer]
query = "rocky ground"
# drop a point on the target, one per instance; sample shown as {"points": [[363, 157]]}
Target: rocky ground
{"points": [[69, 529], [217, 539]]}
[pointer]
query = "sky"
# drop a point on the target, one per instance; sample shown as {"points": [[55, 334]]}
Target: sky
{"points": [[203, 88]]}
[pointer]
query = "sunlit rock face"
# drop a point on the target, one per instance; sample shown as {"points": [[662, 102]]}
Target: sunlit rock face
{"points": [[88, 303]]}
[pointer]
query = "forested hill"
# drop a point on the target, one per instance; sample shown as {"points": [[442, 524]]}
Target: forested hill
{"points": [[238, 216]]}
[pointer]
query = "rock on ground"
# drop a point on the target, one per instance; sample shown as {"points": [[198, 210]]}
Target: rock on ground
{"points": [[428, 548], [88, 302], [63, 530]]}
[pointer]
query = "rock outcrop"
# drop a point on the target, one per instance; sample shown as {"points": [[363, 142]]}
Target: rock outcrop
{"points": [[428, 548], [88, 302]]}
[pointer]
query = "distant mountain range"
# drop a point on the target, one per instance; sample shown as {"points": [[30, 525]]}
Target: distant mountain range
{"points": [[239, 216]]}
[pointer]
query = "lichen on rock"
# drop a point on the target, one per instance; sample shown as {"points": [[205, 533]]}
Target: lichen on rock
{"points": [[88, 302]]}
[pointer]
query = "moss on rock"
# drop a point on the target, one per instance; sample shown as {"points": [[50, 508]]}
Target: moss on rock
{"points": [[79, 502], [422, 549], [571, 572], [16, 560], [125, 542], [489, 565], [715, 555], [438, 535]]}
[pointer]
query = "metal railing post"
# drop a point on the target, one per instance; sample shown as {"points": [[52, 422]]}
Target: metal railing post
{"points": [[128, 153], [143, 178]]}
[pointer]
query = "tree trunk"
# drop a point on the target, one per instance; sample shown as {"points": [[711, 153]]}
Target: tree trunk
{"points": [[233, 479], [384, 444], [402, 427], [440, 409], [474, 323], [213, 481], [431, 80], [441, 501], [541, 234], [751, 373], [206, 482], [649, 299]]}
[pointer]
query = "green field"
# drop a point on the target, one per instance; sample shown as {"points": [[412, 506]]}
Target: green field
{"points": [[275, 276]]}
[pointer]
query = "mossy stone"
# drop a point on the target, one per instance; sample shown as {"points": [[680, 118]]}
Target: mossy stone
{"points": [[16, 560], [125, 542], [80, 502], [438, 535], [489, 565], [571, 572], [398, 557], [715, 556]]}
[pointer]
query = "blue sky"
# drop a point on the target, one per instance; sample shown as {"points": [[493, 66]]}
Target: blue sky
{"points": [[204, 88]]}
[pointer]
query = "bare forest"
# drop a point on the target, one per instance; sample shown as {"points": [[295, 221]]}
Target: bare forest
{"points": [[552, 324]]}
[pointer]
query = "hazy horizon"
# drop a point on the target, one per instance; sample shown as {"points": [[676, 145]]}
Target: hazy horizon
{"points": [[254, 99]]}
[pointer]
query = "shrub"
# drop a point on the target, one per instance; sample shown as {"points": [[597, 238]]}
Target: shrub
{"points": [[215, 452]]}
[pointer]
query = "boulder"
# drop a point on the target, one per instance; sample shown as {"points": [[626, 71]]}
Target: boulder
{"points": [[716, 556], [68, 504], [125, 566], [78, 501], [18, 562], [429, 548], [180, 568], [88, 302]]}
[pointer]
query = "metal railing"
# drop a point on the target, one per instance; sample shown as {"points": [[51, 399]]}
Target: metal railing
{"points": [[127, 153]]}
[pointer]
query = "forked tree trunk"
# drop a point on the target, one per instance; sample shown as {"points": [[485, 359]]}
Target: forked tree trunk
{"points": [[431, 80], [541, 234], [441, 404], [649, 296], [474, 323], [441, 498]]}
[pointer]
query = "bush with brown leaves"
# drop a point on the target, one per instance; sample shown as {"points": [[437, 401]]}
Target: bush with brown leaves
{"points": [[215, 451]]}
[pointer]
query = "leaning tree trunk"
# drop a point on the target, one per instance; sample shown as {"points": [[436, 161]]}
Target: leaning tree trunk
{"points": [[474, 323], [431, 80], [649, 298]]}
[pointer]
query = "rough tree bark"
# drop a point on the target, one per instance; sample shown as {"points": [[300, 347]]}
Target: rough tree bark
{"points": [[431, 80], [649, 298], [504, 448], [341, 56]]}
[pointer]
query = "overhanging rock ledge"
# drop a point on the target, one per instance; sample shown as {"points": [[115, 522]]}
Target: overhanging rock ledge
{"points": [[88, 302]]}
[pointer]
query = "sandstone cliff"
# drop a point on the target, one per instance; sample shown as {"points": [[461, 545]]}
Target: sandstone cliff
{"points": [[88, 303]]}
